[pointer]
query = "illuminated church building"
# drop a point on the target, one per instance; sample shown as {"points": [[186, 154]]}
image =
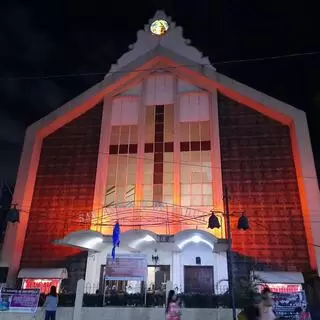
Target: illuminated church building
{"points": [[152, 146]]}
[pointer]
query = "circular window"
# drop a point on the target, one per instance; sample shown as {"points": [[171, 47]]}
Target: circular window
{"points": [[159, 27]]}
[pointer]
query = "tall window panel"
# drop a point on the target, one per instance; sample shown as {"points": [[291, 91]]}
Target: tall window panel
{"points": [[195, 169], [168, 177], [158, 157], [122, 165], [168, 154]]}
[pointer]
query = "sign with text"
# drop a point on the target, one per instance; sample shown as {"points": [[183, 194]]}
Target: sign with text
{"points": [[286, 304], [19, 300], [126, 267]]}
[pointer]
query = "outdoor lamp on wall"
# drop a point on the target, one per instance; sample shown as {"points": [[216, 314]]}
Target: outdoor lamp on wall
{"points": [[13, 215], [213, 221], [243, 222], [155, 258]]}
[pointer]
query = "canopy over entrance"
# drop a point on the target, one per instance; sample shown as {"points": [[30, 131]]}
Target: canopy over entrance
{"points": [[32, 273], [280, 277], [138, 240]]}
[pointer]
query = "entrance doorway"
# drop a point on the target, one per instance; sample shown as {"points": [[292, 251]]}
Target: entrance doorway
{"points": [[198, 279], [157, 277]]}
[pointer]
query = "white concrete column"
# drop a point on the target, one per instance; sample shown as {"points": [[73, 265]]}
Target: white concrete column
{"points": [[15, 234], [141, 143], [217, 190], [220, 270], [92, 273], [176, 153], [177, 277], [102, 166], [79, 299]]}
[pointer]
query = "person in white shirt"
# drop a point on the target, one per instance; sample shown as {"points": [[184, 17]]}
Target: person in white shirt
{"points": [[266, 312], [51, 304]]}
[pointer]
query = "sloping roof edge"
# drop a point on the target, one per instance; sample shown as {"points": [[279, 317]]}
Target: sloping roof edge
{"points": [[177, 64]]}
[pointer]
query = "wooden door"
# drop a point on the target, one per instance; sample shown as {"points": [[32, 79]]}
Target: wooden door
{"points": [[198, 279]]}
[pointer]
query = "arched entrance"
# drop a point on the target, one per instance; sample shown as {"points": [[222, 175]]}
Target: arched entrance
{"points": [[188, 255]]}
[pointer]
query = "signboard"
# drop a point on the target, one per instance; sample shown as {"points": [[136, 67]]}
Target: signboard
{"points": [[19, 300], [126, 267], [44, 285], [285, 304], [282, 288], [287, 298]]}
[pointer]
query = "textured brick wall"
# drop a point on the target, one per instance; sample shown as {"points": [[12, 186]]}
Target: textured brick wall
{"points": [[64, 188], [258, 168]]}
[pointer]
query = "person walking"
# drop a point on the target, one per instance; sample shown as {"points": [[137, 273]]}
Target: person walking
{"points": [[266, 312], [51, 304], [172, 309]]}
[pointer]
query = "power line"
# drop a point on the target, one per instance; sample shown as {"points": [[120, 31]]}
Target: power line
{"points": [[95, 74], [175, 162]]}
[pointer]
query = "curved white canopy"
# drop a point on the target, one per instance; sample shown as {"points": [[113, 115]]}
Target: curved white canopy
{"points": [[137, 240]]}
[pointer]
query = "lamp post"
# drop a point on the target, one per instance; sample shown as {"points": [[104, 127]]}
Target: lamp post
{"points": [[243, 224]]}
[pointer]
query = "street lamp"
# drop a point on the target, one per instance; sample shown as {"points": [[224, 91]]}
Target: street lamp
{"points": [[243, 224]]}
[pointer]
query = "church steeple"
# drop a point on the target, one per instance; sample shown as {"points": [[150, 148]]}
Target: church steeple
{"points": [[161, 31]]}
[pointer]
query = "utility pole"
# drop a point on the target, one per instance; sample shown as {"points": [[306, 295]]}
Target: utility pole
{"points": [[229, 253]]}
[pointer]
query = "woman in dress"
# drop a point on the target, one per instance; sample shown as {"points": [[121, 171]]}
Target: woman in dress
{"points": [[172, 309]]}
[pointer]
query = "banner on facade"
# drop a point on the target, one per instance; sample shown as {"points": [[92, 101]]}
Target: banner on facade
{"points": [[286, 304], [126, 267], [19, 300]]}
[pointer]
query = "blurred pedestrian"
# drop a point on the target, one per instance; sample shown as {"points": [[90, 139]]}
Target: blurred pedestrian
{"points": [[51, 304], [266, 312], [172, 308]]}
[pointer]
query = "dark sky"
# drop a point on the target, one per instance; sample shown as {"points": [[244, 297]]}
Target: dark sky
{"points": [[48, 38]]}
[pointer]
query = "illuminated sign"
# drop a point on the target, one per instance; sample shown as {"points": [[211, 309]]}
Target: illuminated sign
{"points": [[282, 288], [43, 285]]}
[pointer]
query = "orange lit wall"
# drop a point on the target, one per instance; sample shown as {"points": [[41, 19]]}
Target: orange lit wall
{"points": [[258, 168], [64, 188]]}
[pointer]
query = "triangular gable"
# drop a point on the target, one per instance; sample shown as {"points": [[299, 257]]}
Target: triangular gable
{"points": [[164, 59], [174, 53]]}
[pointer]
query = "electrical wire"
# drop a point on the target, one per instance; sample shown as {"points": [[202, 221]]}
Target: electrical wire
{"points": [[95, 74]]}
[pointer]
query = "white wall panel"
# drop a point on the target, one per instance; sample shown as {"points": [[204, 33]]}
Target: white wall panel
{"points": [[184, 86], [194, 107], [133, 91], [125, 111], [159, 89]]}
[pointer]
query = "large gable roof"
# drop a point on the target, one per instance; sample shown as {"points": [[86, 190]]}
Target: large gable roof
{"points": [[173, 53]]}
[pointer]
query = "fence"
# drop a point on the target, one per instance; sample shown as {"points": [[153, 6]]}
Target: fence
{"points": [[95, 288], [152, 299]]}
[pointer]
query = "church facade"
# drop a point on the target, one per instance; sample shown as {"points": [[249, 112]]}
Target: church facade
{"points": [[151, 146]]}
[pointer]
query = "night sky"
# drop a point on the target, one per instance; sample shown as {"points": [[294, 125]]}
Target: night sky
{"points": [[43, 41]]}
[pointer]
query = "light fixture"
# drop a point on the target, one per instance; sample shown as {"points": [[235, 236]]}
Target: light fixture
{"points": [[195, 239], [213, 222], [92, 242], [155, 257], [146, 238], [243, 222], [159, 27]]}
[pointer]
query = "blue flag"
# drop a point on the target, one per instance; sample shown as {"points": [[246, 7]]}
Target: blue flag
{"points": [[115, 239]]}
